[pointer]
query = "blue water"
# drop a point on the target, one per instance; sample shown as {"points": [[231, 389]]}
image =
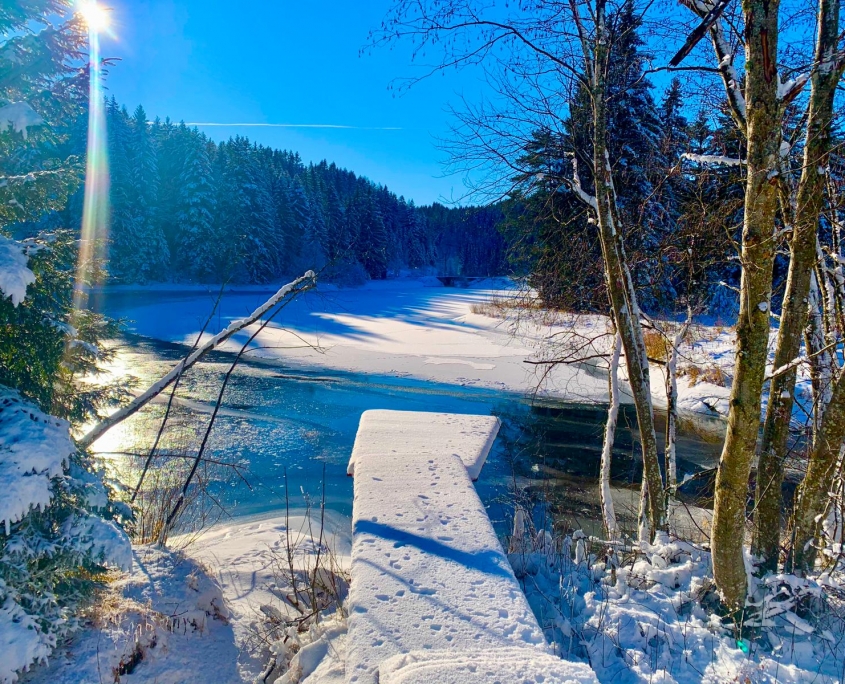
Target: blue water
{"points": [[292, 430]]}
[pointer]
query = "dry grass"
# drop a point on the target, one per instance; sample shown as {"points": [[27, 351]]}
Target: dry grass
{"points": [[712, 374], [496, 307], [656, 345]]}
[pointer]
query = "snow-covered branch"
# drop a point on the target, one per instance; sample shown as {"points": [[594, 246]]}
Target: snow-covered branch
{"points": [[15, 275], [34, 448], [19, 116], [292, 289], [708, 159], [586, 198]]}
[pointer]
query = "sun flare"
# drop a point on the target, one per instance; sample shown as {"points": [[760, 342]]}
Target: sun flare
{"points": [[95, 15]]}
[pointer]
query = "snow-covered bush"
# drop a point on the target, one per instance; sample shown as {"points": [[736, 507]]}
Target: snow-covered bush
{"points": [[52, 544], [651, 613]]}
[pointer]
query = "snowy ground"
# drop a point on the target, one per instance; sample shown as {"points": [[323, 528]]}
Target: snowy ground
{"points": [[653, 618], [417, 329], [206, 613], [404, 328]]}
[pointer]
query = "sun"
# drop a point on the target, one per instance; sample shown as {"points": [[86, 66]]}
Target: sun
{"points": [[95, 15]]}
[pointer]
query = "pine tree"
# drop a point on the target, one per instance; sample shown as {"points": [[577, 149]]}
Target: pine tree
{"points": [[196, 252], [49, 560], [246, 216], [139, 250], [298, 216], [372, 237]]}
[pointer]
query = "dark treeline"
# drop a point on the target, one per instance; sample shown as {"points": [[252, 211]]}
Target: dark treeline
{"points": [[184, 208], [679, 215]]}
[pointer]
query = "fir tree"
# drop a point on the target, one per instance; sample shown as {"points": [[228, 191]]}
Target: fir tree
{"points": [[196, 253]]}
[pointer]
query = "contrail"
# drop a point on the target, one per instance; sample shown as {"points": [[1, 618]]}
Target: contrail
{"points": [[292, 125]]}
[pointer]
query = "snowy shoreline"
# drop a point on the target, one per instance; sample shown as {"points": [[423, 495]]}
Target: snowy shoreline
{"points": [[416, 329]]}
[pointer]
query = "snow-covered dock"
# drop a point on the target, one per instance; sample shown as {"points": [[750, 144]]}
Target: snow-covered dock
{"points": [[433, 597]]}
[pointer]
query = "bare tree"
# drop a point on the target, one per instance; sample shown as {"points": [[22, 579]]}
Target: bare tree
{"points": [[801, 212], [535, 56]]}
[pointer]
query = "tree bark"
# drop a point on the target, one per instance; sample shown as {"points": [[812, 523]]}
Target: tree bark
{"points": [[298, 286], [670, 466], [608, 512], [626, 311], [812, 495], [763, 118], [809, 199]]}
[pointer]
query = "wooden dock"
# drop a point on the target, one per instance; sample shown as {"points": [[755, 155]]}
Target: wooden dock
{"points": [[433, 597]]}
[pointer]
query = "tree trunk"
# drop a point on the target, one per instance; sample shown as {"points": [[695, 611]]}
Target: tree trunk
{"points": [[812, 496], [608, 512], [670, 466], [298, 286], [763, 149], [808, 205], [626, 312], [672, 407]]}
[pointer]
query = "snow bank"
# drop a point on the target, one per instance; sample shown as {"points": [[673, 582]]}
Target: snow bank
{"points": [[246, 560], [428, 572], [15, 275], [166, 622], [199, 614], [34, 448]]}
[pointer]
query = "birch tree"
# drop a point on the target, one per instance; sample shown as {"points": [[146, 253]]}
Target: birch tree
{"points": [[535, 56], [608, 511]]}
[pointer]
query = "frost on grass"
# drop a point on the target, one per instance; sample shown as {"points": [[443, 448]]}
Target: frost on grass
{"points": [[34, 449], [652, 615], [15, 275]]}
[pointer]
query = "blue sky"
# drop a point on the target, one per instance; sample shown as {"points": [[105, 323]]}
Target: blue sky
{"points": [[265, 61]]}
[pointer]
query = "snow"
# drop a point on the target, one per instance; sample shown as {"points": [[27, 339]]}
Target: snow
{"points": [[169, 612], [196, 614], [711, 159], [15, 276], [428, 572], [20, 641], [104, 540], [403, 328], [504, 666], [652, 619], [406, 328], [245, 557], [19, 116], [787, 88], [34, 448], [399, 435]]}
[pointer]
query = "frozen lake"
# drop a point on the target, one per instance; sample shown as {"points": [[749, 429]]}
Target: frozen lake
{"points": [[294, 417]]}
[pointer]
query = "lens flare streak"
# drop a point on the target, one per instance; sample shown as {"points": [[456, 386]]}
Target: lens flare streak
{"points": [[96, 204]]}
